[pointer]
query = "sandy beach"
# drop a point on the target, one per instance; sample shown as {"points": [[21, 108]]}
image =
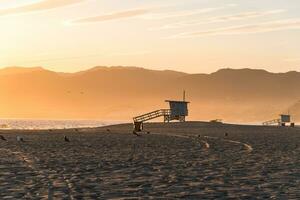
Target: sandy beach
{"points": [[192, 160]]}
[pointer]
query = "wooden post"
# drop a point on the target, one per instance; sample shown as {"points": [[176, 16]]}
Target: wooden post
{"points": [[50, 191], [138, 126]]}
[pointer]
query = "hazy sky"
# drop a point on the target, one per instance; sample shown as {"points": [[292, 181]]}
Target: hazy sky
{"points": [[186, 35]]}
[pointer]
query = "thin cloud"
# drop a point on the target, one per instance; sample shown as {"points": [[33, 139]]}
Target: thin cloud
{"points": [[177, 14], [143, 13], [39, 6], [112, 16], [139, 53], [158, 16], [224, 18], [245, 29]]}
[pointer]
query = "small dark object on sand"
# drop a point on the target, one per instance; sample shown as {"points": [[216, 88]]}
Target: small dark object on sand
{"points": [[76, 130], [199, 136], [108, 130], [2, 138], [226, 134], [135, 133], [20, 139], [66, 139], [148, 132]]}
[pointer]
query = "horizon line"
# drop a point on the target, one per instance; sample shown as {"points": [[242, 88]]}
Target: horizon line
{"points": [[144, 68]]}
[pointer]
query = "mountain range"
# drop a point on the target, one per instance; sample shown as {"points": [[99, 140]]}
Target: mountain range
{"points": [[120, 93]]}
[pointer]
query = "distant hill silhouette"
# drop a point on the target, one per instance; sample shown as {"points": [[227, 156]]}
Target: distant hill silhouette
{"points": [[243, 95]]}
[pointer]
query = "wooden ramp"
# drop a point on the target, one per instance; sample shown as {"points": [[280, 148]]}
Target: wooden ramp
{"points": [[271, 122], [281, 121], [138, 121]]}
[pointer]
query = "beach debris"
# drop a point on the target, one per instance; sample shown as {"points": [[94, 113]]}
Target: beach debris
{"points": [[108, 130], [66, 139], [135, 133], [216, 121], [4, 126], [20, 139], [148, 132], [206, 144], [226, 134], [2, 138]]}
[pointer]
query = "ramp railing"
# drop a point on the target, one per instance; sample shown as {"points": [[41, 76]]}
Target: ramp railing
{"points": [[274, 121], [152, 115]]}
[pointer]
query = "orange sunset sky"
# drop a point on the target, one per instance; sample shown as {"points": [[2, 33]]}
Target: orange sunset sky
{"points": [[190, 35]]}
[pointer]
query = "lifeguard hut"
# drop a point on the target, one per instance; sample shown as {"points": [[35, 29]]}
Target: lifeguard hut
{"points": [[178, 110], [281, 121]]}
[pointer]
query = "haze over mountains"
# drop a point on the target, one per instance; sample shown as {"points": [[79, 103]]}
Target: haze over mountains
{"points": [[119, 93]]}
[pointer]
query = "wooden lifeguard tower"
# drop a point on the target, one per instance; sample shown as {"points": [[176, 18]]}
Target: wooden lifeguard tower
{"points": [[281, 121], [178, 110]]}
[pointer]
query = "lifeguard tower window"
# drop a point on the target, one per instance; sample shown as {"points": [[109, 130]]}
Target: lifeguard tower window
{"points": [[285, 118]]}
